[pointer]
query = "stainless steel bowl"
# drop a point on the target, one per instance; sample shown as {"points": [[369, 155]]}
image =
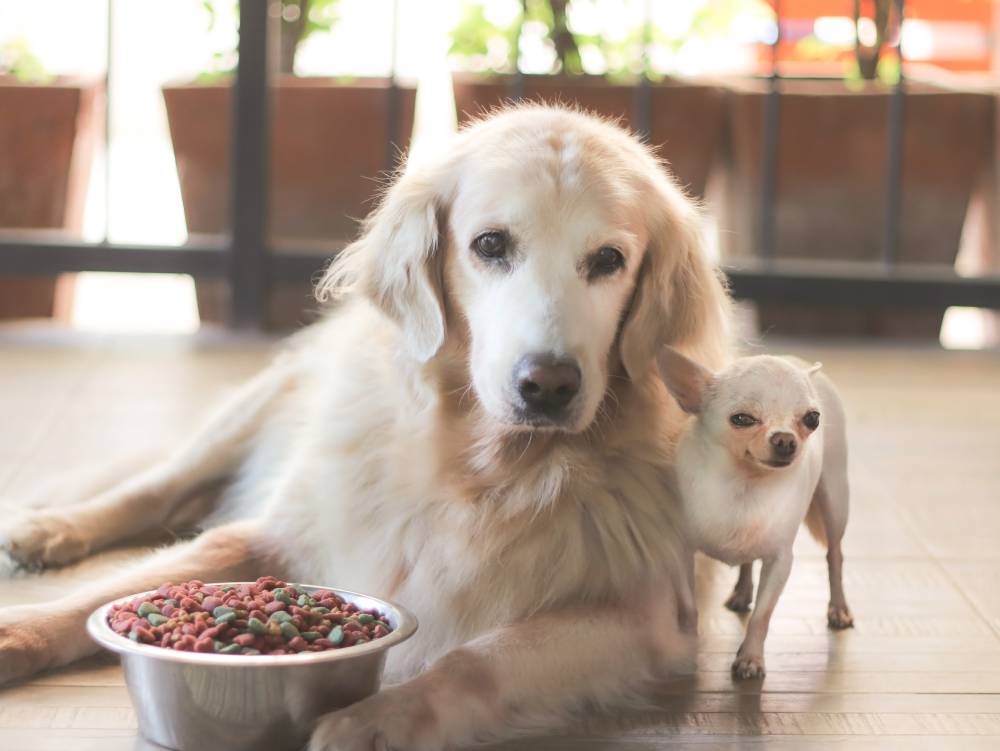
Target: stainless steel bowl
{"points": [[194, 702]]}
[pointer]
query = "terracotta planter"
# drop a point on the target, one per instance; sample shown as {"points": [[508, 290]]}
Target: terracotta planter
{"points": [[48, 134], [328, 144], [686, 119], [831, 184]]}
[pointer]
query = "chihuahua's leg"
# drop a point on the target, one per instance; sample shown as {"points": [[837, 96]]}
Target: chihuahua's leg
{"points": [[46, 635], [59, 535], [831, 499], [739, 601], [749, 662]]}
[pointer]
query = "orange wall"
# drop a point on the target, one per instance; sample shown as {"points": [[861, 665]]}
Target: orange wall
{"points": [[979, 13]]}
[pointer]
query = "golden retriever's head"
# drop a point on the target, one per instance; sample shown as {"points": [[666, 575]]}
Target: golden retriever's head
{"points": [[560, 247]]}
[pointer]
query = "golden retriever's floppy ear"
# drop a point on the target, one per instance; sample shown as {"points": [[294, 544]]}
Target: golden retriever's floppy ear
{"points": [[393, 262], [680, 299]]}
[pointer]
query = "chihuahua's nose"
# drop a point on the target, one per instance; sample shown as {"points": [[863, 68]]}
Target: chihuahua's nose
{"points": [[783, 444], [546, 383]]}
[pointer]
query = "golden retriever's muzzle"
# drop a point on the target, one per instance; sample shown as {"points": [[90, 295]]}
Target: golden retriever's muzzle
{"points": [[546, 386]]}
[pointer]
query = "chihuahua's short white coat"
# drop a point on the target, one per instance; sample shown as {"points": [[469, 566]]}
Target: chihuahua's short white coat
{"points": [[742, 499]]}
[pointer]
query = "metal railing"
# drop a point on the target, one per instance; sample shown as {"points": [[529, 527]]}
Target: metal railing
{"points": [[245, 259]]}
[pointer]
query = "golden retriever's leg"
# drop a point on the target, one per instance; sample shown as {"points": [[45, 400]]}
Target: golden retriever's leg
{"points": [[58, 535], [521, 677], [36, 637]]}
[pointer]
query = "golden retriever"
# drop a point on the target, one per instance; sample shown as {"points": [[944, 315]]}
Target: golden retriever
{"points": [[476, 430]]}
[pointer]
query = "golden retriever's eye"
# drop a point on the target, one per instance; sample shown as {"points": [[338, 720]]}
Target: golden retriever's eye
{"points": [[606, 262], [491, 245], [811, 420], [742, 420]]}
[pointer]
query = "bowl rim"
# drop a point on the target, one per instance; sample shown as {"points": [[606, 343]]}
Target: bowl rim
{"points": [[102, 633]]}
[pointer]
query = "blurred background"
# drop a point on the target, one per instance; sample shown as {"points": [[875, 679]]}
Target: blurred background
{"points": [[844, 149]]}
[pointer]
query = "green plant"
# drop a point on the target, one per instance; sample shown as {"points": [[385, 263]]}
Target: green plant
{"points": [[17, 60], [299, 20], [481, 44]]}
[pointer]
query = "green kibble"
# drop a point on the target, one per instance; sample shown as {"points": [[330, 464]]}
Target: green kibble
{"points": [[256, 627], [134, 636], [226, 618], [146, 608], [281, 616], [221, 611], [321, 610], [336, 634], [241, 614], [155, 619], [172, 602], [383, 624], [364, 618], [288, 630], [282, 596], [303, 600], [250, 651], [311, 635], [231, 649], [217, 645]]}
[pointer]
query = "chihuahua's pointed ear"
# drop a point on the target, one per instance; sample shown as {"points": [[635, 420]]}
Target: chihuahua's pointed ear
{"points": [[396, 263], [688, 381], [814, 368]]}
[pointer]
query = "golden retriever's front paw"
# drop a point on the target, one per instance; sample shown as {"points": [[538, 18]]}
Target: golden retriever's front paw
{"points": [[396, 719], [748, 667], [24, 649], [838, 617], [42, 539]]}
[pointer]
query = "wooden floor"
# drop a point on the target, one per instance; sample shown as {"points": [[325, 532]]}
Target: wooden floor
{"points": [[920, 670]]}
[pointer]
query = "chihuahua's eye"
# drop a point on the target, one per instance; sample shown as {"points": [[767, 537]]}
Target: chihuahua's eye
{"points": [[491, 245], [742, 420], [811, 420], [605, 262]]}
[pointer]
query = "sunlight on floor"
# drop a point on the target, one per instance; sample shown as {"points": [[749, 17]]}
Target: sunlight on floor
{"points": [[135, 303]]}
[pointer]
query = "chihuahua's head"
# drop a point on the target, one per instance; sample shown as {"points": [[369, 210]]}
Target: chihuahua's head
{"points": [[761, 409]]}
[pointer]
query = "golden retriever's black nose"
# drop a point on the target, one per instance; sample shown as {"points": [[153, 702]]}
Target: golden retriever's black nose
{"points": [[783, 444], [546, 383]]}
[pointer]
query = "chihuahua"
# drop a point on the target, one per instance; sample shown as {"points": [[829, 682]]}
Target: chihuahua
{"points": [[766, 449]]}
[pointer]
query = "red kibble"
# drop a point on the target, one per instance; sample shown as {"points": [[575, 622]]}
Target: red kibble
{"points": [[190, 626]]}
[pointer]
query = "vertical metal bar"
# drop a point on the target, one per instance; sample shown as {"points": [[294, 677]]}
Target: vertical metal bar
{"points": [[642, 114], [894, 157], [769, 149], [392, 110], [517, 82], [249, 179], [108, 61]]}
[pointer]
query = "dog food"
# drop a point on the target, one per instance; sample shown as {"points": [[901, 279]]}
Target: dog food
{"points": [[268, 617]]}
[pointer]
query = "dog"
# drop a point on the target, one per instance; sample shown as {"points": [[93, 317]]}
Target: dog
{"points": [[474, 429], [765, 451]]}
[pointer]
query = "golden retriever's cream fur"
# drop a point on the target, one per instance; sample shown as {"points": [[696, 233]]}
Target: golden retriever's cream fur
{"points": [[543, 563]]}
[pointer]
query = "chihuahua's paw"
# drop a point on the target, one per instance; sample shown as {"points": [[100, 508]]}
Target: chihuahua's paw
{"points": [[838, 617], [748, 667], [41, 539], [739, 602]]}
